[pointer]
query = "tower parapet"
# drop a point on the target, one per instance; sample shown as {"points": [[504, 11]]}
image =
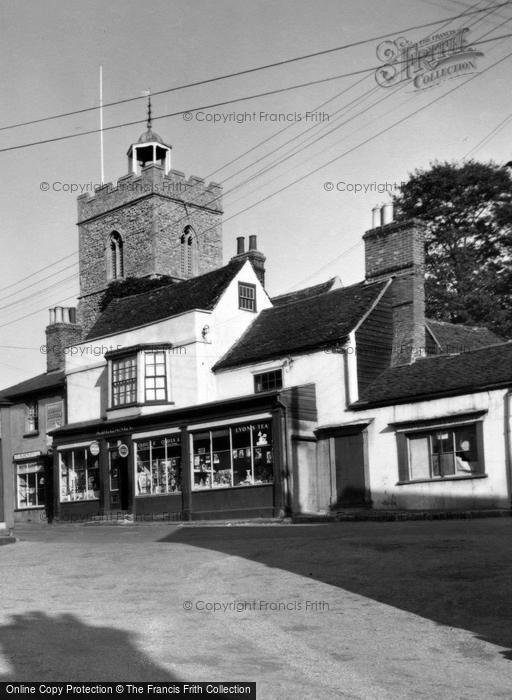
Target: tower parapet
{"points": [[193, 191]]}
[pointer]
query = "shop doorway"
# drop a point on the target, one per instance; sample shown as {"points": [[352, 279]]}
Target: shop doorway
{"points": [[118, 480]]}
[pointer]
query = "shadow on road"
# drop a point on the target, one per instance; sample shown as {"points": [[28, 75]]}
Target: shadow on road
{"points": [[455, 573], [63, 648]]}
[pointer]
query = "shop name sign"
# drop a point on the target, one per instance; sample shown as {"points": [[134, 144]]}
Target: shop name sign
{"points": [[27, 455], [427, 62]]}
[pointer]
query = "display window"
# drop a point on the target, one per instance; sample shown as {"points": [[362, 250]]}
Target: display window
{"points": [[238, 455], [30, 485], [158, 465], [79, 475]]}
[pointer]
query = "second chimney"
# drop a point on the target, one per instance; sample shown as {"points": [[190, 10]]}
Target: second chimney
{"points": [[253, 254], [396, 249], [61, 332]]}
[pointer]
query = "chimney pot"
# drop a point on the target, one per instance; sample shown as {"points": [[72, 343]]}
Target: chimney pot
{"points": [[387, 213], [252, 243], [240, 245], [376, 216]]}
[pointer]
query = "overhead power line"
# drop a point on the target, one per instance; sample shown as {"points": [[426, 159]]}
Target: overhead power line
{"points": [[267, 66]]}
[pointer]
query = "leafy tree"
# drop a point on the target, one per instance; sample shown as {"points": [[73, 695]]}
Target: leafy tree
{"points": [[468, 255]]}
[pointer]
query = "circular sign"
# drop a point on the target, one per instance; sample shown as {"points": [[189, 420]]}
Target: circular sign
{"points": [[94, 448], [123, 450]]}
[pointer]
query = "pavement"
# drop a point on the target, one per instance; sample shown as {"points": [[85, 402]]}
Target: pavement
{"points": [[338, 610]]}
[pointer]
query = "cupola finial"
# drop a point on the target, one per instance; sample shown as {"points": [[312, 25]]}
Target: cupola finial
{"points": [[149, 110]]}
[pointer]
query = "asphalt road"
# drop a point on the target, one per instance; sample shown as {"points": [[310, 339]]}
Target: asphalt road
{"points": [[357, 610]]}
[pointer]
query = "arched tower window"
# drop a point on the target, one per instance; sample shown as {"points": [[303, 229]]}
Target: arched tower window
{"points": [[188, 252], [116, 256]]}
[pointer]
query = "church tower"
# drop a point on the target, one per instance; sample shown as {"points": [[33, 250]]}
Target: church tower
{"points": [[153, 222]]}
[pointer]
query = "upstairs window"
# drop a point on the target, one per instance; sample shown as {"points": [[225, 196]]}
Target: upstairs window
{"points": [[155, 385], [268, 381], [116, 256], [32, 417], [124, 381], [246, 296]]}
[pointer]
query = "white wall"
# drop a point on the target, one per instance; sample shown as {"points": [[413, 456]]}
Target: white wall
{"points": [[465, 493], [190, 378], [324, 369]]}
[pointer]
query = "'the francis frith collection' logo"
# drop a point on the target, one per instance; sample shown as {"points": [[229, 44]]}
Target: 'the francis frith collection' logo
{"points": [[427, 62]]}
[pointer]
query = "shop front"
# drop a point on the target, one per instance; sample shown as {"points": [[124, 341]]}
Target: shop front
{"points": [[222, 460], [32, 474]]}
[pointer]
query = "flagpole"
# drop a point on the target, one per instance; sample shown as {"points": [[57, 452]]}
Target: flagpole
{"points": [[101, 125]]}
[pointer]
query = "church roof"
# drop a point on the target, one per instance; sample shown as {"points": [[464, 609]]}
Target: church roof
{"points": [[202, 292], [319, 320]]}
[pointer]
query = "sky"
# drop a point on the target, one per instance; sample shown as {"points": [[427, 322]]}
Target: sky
{"points": [[366, 135]]}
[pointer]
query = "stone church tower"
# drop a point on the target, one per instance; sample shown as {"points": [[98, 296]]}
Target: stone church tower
{"points": [[152, 222]]}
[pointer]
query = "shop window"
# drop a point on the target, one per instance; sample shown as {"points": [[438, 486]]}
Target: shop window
{"points": [[268, 381], [30, 485], [79, 475], [32, 417], [158, 465], [233, 456], [452, 451], [155, 385], [247, 296], [124, 381]]}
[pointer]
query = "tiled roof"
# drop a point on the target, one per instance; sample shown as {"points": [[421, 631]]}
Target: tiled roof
{"points": [[38, 384], [456, 337], [442, 375], [200, 292], [306, 292], [303, 325]]}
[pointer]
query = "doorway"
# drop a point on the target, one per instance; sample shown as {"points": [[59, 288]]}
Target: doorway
{"points": [[352, 489], [118, 480]]}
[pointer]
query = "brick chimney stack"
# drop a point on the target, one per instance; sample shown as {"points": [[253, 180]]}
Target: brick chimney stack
{"points": [[397, 249], [61, 332], [253, 254]]}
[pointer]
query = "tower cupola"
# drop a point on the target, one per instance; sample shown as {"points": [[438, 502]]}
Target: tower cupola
{"points": [[150, 148]]}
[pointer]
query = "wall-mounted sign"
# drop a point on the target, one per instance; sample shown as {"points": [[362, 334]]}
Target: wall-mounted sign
{"points": [[123, 450], [54, 415], [26, 455], [94, 448]]}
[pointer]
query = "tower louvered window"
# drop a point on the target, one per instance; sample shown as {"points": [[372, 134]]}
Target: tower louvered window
{"points": [[188, 252], [116, 256]]}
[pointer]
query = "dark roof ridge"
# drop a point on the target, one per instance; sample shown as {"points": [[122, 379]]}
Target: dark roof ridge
{"points": [[303, 300], [461, 325], [180, 282], [458, 354], [305, 289]]}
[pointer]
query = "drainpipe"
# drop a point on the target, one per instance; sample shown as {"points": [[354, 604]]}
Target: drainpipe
{"points": [[285, 475], [508, 440]]}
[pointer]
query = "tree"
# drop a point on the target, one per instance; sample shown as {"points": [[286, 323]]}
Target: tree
{"points": [[468, 253]]}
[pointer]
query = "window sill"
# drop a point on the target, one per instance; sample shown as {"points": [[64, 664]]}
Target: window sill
{"points": [[81, 500], [441, 479], [140, 404], [32, 433], [22, 509], [156, 495], [225, 488]]}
